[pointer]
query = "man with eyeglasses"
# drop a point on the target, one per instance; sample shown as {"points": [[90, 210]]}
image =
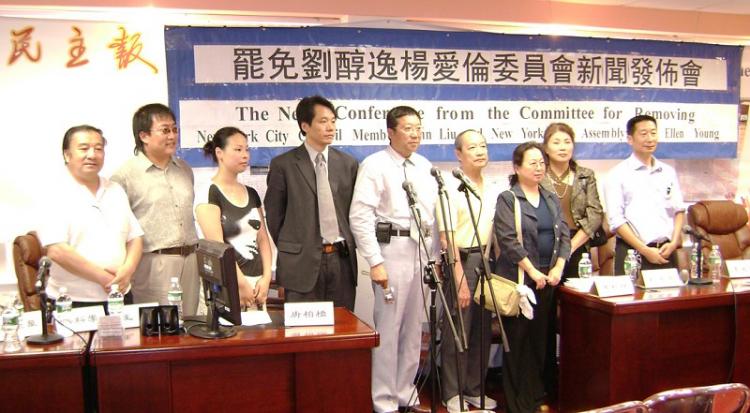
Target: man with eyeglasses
{"points": [[387, 238], [92, 238], [160, 191], [644, 201]]}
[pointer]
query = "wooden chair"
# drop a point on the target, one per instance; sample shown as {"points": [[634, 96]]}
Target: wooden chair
{"points": [[721, 398], [26, 254]]}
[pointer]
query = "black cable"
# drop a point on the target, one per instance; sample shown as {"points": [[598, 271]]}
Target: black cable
{"points": [[58, 321]]}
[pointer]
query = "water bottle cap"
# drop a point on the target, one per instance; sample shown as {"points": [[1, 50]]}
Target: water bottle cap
{"points": [[63, 290], [174, 279], [114, 287], [631, 251]]}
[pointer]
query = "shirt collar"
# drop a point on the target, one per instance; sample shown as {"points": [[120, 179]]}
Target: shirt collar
{"points": [[144, 163], [396, 157], [313, 153], [635, 164]]}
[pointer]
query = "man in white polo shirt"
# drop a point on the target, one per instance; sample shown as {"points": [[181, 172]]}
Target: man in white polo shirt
{"points": [[644, 201], [92, 236]]}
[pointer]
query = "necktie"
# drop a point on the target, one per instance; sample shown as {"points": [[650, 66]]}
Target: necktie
{"points": [[329, 226]]}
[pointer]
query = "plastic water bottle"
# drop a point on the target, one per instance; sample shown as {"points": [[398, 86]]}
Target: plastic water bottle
{"points": [[174, 295], [694, 262], [584, 266], [714, 262], [64, 303], [18, 305], [10, 328], [115, 301], [631, 266]]}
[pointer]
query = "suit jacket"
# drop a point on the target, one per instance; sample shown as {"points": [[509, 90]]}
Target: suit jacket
{"points": [[585, 207], [292, 214]]}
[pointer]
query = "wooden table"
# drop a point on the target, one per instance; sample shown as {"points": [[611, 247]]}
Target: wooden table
{"points": [[44, 378], [627, 348], [262, 368]]}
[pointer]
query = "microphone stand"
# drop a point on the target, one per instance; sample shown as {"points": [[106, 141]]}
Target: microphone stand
{"points": [[460, 339], [41, 289], [429, 277], [483, 274], [698, 279]]}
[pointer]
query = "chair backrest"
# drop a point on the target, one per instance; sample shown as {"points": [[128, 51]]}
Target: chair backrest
{"points": [[726, 224], [26, 254], [721, 398], [626, 407]]}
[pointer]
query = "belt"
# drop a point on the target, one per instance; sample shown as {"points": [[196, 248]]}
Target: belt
{"points": [[183, 250], [465, 252], [399, 232], [657, 244], [331, 248]]}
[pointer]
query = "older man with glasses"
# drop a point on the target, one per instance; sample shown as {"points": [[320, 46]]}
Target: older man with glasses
{"points": [[160, 191]]}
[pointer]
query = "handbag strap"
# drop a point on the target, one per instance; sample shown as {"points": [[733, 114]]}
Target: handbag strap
{"points": [[519, 234]]}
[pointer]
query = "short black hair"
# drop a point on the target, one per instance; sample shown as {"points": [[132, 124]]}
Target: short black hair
{"points": [[306, 109], [75, 129], [518, 155], [143, 120], [391, 119], [219, 140], [636, 120]]}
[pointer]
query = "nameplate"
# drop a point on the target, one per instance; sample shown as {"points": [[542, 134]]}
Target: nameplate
{"points": [[319, 313], [580, 284], [79, 319], [30, 324], [663, 278], [613, 286], [738, 268]]}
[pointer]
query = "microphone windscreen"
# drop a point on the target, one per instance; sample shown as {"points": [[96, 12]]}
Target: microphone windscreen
{"points": [[435, 171], [458, 173]]}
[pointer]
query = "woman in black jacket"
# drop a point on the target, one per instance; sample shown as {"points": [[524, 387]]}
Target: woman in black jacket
{"points": [[542, 256]]}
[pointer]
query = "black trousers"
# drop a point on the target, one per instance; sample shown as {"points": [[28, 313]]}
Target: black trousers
{"points": [[467, 365], [523, 366], [621, 251], [334, 283]]}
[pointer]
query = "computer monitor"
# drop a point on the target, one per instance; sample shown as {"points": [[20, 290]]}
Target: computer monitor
{"points": [[217, 269]]}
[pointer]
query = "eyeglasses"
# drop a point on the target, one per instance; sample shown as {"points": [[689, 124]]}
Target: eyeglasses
{"points": [[411, 130], [165, 130], [535, 165]]}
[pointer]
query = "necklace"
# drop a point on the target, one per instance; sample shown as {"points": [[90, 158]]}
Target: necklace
{"points": [[558, 182]]}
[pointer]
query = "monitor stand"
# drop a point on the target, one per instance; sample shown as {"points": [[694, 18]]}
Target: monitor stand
{"points": [[210, 328]]}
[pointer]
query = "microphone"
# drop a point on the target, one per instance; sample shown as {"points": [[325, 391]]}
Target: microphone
{"points": [[410, 194], [459, 174], [438, 176], [44, 264], [698, 234]]}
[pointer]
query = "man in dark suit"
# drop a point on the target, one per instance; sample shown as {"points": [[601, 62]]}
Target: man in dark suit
{"points": [[308, 217]]}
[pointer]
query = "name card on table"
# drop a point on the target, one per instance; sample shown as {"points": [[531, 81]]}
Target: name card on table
{"points": [[319, 313], [738, 268], [613, 286], [580, 284], [79, 319], [30, 324], [663, 278]]}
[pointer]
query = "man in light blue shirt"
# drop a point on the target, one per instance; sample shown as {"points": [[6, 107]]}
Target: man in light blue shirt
{"points": [[644, 201]]}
